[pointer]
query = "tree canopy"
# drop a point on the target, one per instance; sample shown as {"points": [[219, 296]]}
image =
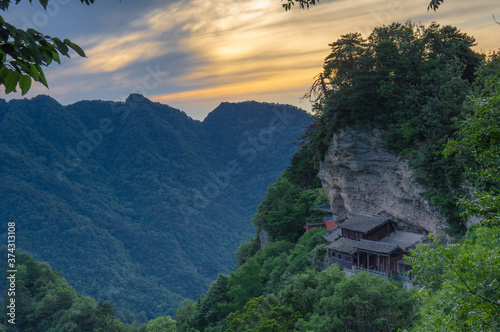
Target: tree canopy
{"points": [[460, 288], [45, 302], [479, 137]]}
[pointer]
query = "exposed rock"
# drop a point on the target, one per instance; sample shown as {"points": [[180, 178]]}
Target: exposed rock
{"points": [[263, 238], [359, 175], [473, 220]]}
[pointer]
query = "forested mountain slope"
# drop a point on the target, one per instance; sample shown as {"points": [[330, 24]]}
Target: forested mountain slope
{"points": [[135, 202]]}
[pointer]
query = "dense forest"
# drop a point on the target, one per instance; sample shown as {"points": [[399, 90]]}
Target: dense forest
{"points": [[125, 199], [437, 102]]}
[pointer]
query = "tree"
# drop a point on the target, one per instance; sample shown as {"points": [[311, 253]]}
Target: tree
{"points": [[460, 287], [303, 4], [480, 137], [23, 53], [45, 302], [185, 316], [246, 282], [262, 314], [209, 310], [162, 324], [434, 4], [286, 208], [362, 303]]}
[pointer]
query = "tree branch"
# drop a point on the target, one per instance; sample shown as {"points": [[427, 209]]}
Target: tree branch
{"points": [[471, 291]]}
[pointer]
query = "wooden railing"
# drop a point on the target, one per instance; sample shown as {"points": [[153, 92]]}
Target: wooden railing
{"points": [[348, 266], [384, 275]]}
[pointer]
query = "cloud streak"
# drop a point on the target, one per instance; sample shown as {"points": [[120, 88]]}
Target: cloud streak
{"points": [[230, 50]]}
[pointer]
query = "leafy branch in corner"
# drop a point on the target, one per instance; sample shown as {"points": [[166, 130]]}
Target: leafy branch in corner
{"points": [[434, 4], [23, 53], [305, 4]]}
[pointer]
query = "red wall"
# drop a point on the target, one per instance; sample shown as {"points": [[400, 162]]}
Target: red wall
{"points": [[308, 228], [381, 232], [376, 235], [330, 224]]}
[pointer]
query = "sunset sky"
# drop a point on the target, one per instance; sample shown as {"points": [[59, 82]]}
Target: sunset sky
{"points": [[194, 54]]}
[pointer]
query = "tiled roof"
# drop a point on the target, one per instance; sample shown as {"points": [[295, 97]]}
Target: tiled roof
{"points": [[352, 246], [332, 235], [375, 246], [344, 245], [323, 208], [405, 240], [316, 223], [364, 223]]}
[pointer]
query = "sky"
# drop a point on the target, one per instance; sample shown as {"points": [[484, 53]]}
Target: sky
{"points": [[195, 54]]}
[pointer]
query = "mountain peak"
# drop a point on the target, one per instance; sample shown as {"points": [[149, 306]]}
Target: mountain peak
{"points": [[135, 98]]}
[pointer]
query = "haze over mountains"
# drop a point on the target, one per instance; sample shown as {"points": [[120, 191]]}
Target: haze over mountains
{"points": [[135, 202]]}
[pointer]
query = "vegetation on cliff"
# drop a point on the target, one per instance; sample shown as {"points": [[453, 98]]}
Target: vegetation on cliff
{"points": [[411, 82], [460, 286]]}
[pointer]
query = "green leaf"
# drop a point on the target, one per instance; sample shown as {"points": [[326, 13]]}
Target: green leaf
{"points": [[61, 47], [42, 78], [11, 80], [3, 74], [33, 72], [56, 58], [44, 3], [75, 47], [25, 83]]}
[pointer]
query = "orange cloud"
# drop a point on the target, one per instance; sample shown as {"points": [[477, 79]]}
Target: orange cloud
{"points": [[270, 84]]}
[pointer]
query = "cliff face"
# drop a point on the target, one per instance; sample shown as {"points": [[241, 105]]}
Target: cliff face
{"points": [[359, 175]]}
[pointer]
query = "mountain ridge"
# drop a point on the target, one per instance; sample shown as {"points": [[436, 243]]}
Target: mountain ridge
{"points": [[111, 192]]}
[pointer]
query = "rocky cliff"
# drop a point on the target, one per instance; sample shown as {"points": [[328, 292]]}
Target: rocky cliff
{"points": [[359, 175]]}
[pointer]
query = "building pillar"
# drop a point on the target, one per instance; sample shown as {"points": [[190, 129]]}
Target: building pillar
{"points": [[378, 262]]}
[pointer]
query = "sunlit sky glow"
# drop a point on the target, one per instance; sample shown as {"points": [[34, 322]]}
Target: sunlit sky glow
{"points": [[194, 54]]}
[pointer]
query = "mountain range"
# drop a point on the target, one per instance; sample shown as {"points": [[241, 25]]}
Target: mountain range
{"points": [[135, 202]]}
